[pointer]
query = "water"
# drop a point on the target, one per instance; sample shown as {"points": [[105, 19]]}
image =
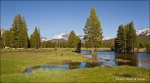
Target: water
{"points": [[67, 66], [138, 59]]}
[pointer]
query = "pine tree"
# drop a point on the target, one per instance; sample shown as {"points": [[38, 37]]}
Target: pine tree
{"points": [[131, 38], [147, 46], [73, 40], [32, 41], [15, 31], [6, 38], [35, 39], [93, 31], [78, 49], [126, 38], [120, 40], [18, 33], [23, 35]]}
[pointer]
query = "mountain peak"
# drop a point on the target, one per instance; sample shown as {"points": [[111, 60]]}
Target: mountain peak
{"points": [[64, 36], [145, 31], [60, 36]]}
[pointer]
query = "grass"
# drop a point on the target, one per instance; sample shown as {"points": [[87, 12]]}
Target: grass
{"points": [[14, 62], [97, 74]]}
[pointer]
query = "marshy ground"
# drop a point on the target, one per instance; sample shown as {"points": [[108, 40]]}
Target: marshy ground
{"points": [[14, 62]]}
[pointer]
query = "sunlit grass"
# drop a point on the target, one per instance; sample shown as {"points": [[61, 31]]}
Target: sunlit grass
{"points": [[97, 74], [14, 62]]}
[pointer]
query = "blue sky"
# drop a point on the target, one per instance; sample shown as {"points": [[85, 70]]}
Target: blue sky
{"points": [[55, 17]]}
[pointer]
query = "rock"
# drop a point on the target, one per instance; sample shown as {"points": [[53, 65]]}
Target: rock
{"points": [[108, 59], [121, 60]]}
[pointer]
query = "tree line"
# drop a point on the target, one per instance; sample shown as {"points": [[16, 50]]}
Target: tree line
{"points": [[126, 40], [17, 35]]}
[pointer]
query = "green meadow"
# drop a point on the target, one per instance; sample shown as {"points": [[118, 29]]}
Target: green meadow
{"points": [[14, 62]]}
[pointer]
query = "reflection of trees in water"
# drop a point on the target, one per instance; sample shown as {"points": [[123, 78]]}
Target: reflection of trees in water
{"points": [[74, 65], [92, 64], [35, 67], [30, 69], [132, 57]]}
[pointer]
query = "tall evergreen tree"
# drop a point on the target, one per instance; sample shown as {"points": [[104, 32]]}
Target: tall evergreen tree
{"points": [[23, 35], [78, 49], [32, 41], [120, 40], [126, 38], [35, 39], [15, 30], [93, 31], [131, 38], [73, 40], [18, 33]]}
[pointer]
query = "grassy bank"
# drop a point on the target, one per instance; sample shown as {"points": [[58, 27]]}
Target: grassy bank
{"points": [[97, 74], [15, 61]]}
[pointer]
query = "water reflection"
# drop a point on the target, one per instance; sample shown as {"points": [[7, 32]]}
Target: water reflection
{"points": [[127, 56], [74, 65], [104, 58], [139, 59], [67, 66], [144, 60]]}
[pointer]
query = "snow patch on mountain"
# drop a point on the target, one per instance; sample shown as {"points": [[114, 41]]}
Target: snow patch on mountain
{"points": [[108, 38], [61, 36], [43, 39], [145, 31], [64, 36]]}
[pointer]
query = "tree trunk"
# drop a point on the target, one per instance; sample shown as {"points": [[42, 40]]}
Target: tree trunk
{"points": [[94, 56]]}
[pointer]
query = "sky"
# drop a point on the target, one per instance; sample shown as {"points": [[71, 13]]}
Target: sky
{"points": [[56, 17]]}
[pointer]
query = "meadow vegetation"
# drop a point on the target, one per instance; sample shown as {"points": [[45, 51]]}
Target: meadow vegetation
{"points": [[15, 61]]}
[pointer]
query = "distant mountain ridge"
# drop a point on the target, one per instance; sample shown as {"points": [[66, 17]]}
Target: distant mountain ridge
{"points": [[60, 37], [64, 36], [143, 32]]}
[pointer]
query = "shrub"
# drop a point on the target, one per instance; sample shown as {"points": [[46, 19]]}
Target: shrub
{"points": [[148, 46]]}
